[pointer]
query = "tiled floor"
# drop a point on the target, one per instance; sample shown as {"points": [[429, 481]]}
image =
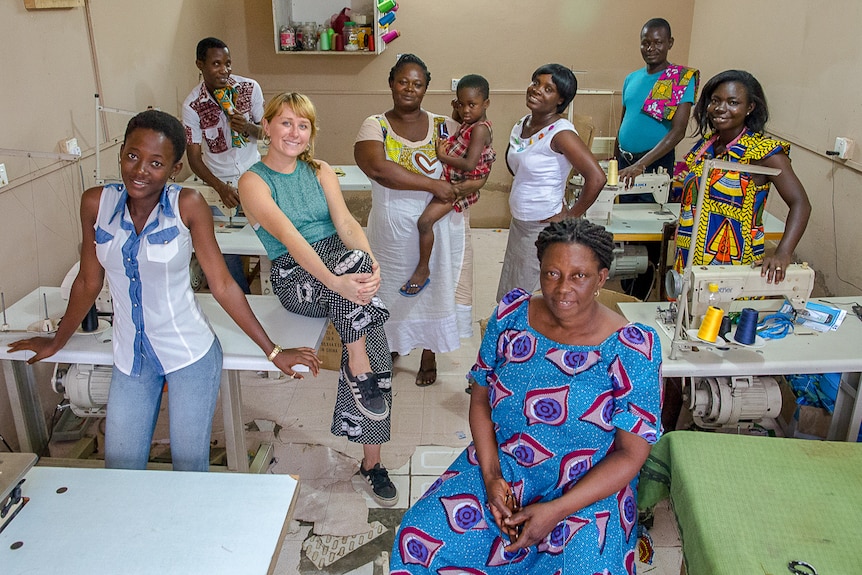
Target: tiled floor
{"points": [[430, 428]]}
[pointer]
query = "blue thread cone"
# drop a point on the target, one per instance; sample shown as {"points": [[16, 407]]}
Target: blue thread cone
{"points": [[746, 329]]}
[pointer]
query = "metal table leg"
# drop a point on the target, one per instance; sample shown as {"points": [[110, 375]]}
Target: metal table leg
{"points": [[26, 407], [231, 398]]}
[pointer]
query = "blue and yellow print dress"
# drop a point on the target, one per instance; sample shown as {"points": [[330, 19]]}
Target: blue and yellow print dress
{"points": [[732, 231], [556, 409]]}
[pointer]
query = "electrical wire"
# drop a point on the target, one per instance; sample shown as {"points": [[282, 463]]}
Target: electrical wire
{"points": [[835, 234], [775, 326]]}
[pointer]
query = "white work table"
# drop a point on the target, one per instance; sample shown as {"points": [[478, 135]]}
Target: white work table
{"points": [[644, 222], [240, 353], [798, 353], [82, 521]]}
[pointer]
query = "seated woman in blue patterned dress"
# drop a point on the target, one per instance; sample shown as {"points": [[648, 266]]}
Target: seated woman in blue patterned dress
{"points": [[565, 406]]}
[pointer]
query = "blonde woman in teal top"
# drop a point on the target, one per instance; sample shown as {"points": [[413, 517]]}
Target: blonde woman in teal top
{"points": [[322, 266]]}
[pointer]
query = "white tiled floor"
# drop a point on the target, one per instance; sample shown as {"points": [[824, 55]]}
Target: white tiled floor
{"points": [[430, 426]]}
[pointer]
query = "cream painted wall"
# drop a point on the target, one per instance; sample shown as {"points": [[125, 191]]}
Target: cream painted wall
{"points": [[807, 57], [144, 56]]}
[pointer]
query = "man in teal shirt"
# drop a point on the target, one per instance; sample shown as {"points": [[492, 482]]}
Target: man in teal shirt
{"points": [[657, 101]]}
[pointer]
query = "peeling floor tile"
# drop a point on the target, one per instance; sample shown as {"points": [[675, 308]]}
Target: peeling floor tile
{"points": [[323, 550]]}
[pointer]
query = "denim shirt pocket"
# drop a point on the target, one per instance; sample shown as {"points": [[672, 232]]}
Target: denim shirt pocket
{"points": [[162, 245], [103, 237]]}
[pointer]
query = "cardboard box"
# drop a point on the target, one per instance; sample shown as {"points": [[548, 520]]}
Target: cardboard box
{"points": [[810, 423], [612, 298], [330, 350]]}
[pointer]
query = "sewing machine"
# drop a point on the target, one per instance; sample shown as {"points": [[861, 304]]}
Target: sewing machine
{"points": [[739, 401], [657, 184], [736, 282], [221, 213]]}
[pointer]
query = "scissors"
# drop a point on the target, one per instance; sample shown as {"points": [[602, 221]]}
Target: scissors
{"points": [[801, 568]]}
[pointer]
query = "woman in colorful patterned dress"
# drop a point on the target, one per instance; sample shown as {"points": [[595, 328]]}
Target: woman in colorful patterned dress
{"points": [[731, 115], [396, 150], [563, 411]]}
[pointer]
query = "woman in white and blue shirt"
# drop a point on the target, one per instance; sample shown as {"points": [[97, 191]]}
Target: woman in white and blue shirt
{"points": [[141, 233]]}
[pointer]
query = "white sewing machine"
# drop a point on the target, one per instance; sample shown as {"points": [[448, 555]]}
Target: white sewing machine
{"points": [[221, 213], [657, 184], [741, 401], [736, 282]]}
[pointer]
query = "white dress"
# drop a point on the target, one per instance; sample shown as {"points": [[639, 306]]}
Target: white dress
{"points": [[441, 314]]}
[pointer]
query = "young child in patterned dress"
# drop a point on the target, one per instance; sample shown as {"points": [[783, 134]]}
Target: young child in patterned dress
{"points": [[466, 155]]}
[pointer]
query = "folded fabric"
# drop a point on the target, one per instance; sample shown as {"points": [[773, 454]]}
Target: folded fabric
{"points": [[667, 93], [226, 97]]}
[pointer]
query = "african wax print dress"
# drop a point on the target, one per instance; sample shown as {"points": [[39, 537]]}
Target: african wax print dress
{"points": [[556, 409], [732, 231]]}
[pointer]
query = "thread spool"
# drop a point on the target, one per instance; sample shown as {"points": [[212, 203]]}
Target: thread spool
{"points": [[389, 36], [613, 173], [387, 19], [726, 326], [746, 329], [385, 5], [711, 324], [91, 320]]}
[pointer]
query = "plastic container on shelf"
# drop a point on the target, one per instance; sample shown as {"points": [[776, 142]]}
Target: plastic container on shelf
{"points": [[351, 37], [298, 36], [325, 40], [309, 36], [286, 38]]}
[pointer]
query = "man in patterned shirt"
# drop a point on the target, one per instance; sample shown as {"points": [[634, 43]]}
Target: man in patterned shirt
{"points": [[222, 118]]}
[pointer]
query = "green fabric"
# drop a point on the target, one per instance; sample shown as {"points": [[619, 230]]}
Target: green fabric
{"points": [[750, 505]]}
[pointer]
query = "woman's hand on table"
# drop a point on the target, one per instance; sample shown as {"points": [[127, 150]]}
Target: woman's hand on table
{"points": [[297, 355], [774, 267], [43, 346]]}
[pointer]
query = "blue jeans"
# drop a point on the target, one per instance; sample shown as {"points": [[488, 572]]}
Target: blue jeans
{"points": [[133, 409], [237, 271]]}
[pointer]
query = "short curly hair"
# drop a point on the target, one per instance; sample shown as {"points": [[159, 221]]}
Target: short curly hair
{"points": [[163, 123], [578, 231]]}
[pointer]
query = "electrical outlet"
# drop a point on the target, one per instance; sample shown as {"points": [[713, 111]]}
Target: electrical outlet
{"points": [[455, 83], [844, 147], [4, 179], [70, 146]]}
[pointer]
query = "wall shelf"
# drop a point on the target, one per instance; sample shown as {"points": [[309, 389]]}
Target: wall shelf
{"points": [[319, 12]]}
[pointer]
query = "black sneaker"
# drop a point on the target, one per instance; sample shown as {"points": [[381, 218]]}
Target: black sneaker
{"points": [[366, 394], [382, 489]]}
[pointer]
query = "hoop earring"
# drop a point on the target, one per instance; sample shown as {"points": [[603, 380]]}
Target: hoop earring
{"points": [[596, 293], [266, 139]]}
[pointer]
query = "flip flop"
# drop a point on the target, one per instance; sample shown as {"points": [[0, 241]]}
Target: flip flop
{"points": [[411, 286]]}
